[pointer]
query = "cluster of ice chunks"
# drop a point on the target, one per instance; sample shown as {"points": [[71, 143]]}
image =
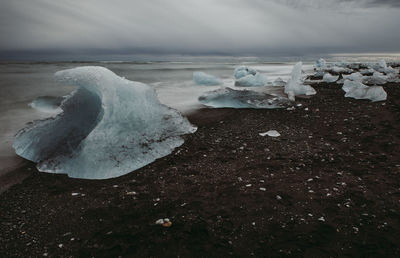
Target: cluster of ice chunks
{"points": [[201, 78], [109, 126]]}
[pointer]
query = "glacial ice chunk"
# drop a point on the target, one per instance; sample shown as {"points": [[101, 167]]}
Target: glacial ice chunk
{"points": [[358, 77], [295, 85], [243, 71], [320, 63], [201, 78], [279, 82], [330, 78], [251, 80], [230, 98], [357, 90], [109, 126], [47, 104]]}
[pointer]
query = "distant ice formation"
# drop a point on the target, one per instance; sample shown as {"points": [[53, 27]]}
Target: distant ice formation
{"points": [[251, 80], [230, 98], [320, 63], [201, 78], [243, 71], [249, 77], [279, 82], [47, 104], [295, 85], [330, 78], [109, 126], [357, 90]]}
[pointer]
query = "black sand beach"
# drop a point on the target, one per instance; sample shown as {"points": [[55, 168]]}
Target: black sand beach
{"points": [[328, 187]]}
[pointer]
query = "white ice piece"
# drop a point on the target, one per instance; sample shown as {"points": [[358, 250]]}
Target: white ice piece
{"points": [[230, 98], [295, 85], [357, 90], [109, 126], [279, 82], [330, 78], [201, 78], [320, 63], [243, 71], [358, 77], [270, 133], [251, 80]]}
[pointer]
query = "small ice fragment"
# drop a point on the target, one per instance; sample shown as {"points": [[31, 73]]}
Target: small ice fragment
{"points": [[278, 197], [248, 185], [322, 219], [263, 189], [271, 133], [160, 221], [74, 194]]}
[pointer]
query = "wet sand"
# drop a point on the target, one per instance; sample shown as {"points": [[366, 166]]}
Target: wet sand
{"points": [[329, 186]]}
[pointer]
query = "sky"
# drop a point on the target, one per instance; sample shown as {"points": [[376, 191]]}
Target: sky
{"points": [[227, 27]]}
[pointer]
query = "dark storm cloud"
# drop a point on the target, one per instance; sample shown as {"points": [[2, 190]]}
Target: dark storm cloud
{"points": [[198, 27]]}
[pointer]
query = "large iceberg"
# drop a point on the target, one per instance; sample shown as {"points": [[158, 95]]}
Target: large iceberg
{"points": [[201, 78], [230, 98], [357, 90], [109, 126], [295, 85]]}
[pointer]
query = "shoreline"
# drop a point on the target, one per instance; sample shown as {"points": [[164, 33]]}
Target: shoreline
{"points": [[329, 186]]}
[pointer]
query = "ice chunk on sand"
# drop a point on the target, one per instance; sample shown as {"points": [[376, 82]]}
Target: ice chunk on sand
{"points": [[47, 104], [230, 98], [243, 71], [330, 78], [201, 78], [320, 63], [295, 85], [109, 126], [378, 78], [354, 77], [279, 82], [357, 90], [251, 80], [337, 69], [271, 133]]}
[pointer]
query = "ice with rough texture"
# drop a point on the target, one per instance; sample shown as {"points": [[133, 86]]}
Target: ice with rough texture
{"points": [[47, 104], [358, 77], [230, 98], [109, 126], [338, 69], [279, 82], [330, 78], [243, 71], [201, 78], [320, 63], [378, 78], [357, 90], [295, 85], [251, 80]]}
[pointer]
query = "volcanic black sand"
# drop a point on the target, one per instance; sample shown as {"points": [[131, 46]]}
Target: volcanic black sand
{"points": [[328, 187]]}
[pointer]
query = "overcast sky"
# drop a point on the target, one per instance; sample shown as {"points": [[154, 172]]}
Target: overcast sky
{"points": [[200, 26]]}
